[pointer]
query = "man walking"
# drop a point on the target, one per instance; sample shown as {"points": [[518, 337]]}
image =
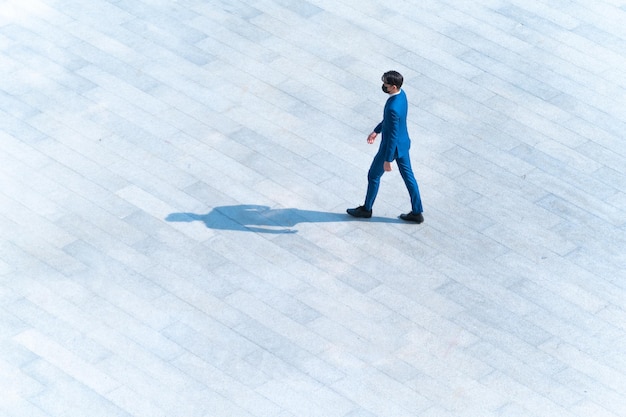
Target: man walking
{"points": [[394, 145]]}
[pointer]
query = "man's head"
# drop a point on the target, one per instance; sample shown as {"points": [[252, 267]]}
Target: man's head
{"points": [[392, 81]]}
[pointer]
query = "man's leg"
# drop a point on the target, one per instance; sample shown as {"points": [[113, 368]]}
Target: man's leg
{"points": [[376, 171], [404, 166]]}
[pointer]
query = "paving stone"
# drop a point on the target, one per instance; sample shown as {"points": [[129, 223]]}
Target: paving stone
{"points": [[173, 186]]}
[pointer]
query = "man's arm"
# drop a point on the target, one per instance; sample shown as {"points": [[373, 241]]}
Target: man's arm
{"points": [[370, 139], [391, 134]]}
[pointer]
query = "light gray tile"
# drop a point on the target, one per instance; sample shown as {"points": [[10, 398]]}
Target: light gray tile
{"points": [[173, 186]]}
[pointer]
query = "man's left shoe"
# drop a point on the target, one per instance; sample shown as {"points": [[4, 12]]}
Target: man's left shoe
{"points": [[413, 217], [360, 211]]}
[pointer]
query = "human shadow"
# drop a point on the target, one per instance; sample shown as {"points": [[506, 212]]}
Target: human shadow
{"points": [[263, 219]]}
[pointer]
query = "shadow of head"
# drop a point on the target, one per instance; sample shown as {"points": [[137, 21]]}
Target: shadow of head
{"points": [[183, 217]]}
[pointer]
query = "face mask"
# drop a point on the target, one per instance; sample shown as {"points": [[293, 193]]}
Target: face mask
{"points": [[385, 89]]}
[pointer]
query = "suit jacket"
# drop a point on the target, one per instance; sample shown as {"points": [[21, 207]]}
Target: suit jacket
{"points": [[395, 141]]}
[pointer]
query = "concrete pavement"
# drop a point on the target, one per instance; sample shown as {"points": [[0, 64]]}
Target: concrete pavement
{"points": [[173, 183]]}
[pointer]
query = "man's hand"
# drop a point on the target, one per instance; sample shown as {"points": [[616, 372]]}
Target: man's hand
{"points": [[387, 166], [372, 137]]}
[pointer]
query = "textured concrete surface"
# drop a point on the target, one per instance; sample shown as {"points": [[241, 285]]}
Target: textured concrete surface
{"points": [[173, 183]]}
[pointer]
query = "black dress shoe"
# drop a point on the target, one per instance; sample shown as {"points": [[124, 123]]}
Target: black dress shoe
{"points": [[413, 217], [360, 212]]}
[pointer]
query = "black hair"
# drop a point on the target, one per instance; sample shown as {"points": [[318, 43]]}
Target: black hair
{"points": [[393, 78]]}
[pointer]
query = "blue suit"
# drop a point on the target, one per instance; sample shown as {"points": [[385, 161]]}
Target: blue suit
{"points": [[394, 145]]}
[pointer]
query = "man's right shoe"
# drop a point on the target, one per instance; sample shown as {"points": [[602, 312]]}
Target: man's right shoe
{"points": [[413, 217], [360, 212]]}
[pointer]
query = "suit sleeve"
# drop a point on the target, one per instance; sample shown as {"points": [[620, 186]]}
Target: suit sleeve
{"points": [[379, 128], [391, 134]]}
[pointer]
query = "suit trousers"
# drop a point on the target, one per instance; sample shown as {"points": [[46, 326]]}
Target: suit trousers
{"points": [[376, 171]]}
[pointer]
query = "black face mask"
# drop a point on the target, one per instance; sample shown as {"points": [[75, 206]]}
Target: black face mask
{"points": [[385, 89]]}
